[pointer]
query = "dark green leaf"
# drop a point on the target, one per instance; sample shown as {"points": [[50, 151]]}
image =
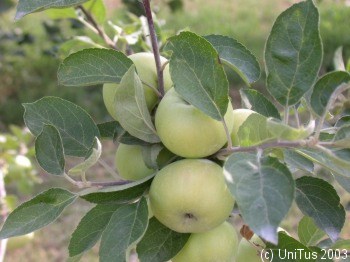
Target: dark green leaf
{"points": [[76, 127], [26, 7], [297, 161], [125, 228], [49, 151], [237, 56], [131, 108], [293, 53], [197, 74], [309, 234], [90, 229], [344, 120], [118, 194], [257, 102], [93, 66], [260, 184], [36, 213], [150, 155], [296, 250], [160, 243], [324, 88], [109, 130], [318, 199]]}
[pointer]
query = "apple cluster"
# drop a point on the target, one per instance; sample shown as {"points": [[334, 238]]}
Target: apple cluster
{"points": [[189, 193]]}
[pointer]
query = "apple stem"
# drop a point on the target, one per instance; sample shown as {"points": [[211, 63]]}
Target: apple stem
{"points": [[155, 47]]}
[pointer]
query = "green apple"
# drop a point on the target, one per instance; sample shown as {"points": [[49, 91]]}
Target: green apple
{"points": [[239, 116], [188, 132], [218, 244], [250, 250], [191, 196], [130, 163], [19, 241], [147, 71]]}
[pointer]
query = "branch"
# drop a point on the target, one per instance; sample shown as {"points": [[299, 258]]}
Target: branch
{"points": [[98, 29], [155, 48]]}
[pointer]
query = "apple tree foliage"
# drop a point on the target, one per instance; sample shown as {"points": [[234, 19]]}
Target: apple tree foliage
{"points": [[301, 126]]}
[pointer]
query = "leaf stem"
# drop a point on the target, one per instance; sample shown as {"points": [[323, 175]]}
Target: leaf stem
{"points": [[155, 47], [97, 29], [82, 184], [228, 134], [340, 89]]}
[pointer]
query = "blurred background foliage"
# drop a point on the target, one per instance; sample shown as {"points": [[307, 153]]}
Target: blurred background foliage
{"points": [[32, 48]]}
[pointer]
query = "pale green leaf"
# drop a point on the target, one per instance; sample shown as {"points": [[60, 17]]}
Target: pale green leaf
{"points": [[49, 151], [131, 108], [309, 234], [36, 213], [342, 137], [236, 56], [282, 131], [260, 184], [293, 53], [197, 73]]}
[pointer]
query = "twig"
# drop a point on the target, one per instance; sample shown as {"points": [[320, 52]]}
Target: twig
{"points": [[98, 29], [155, 48], [82, 184]]}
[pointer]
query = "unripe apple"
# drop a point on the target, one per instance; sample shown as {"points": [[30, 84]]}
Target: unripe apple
{"points": [[191, 196], [218, 244], [147, 71], [250, 250], [130, 163], [188, 132], [239, 116]]}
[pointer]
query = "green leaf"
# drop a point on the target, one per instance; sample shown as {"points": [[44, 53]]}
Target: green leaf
{"points": [[76, 127], [90, 161], [36, 213], [342, 244], [90, 229], [324, 88], [109, 129], [282, 131], [125, 228], [49, 151], [338, 60], [296, 250], [236, 56], [297, 161], [253, 131], [251, 181], [318, 199], [131, 108], [197, 73], [342, 137], [150, 155], [160, 243], [93, 66], [118, 194], [95, 7], [75, 44], [344, 120], [257, 102], [333, 161], [293, 53], [308, 232], [26, 7]]}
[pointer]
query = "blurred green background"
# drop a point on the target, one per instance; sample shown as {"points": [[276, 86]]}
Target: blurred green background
{"points": [[30, 55]]}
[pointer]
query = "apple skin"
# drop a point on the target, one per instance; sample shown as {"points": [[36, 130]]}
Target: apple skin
{"points": [[239, 116], [249, 250], [188, 132], [191, 196], [218, 244], [130, 164], [147, 71]]}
